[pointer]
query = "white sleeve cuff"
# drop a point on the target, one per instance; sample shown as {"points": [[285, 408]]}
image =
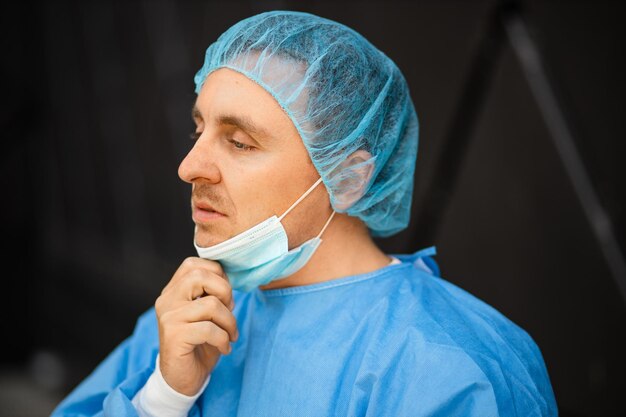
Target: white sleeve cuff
{"points": [[158, 399]]}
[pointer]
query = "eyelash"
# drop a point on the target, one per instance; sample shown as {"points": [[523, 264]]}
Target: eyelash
{"points": [[238, 145]]}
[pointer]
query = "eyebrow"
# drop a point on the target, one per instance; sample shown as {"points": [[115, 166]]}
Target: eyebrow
{"points": [[242, 122]]}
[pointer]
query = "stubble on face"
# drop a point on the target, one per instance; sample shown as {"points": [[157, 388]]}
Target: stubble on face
{"points": [[213, 233]]}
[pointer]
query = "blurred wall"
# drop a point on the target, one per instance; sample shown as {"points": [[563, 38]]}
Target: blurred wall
{"points": [[97, 98]]}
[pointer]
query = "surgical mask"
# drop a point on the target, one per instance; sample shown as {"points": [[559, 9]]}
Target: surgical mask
{"points": [[261, 254]]}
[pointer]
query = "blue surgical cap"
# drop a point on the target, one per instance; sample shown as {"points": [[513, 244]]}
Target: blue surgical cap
{"points": [[343, 95]]}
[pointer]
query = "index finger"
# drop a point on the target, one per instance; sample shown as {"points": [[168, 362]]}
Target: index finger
{"points": [[198, 283], [191, 263]]}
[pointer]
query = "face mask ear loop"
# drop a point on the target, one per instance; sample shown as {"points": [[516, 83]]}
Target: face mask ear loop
{"points": [[301, 198], [327, 223]]}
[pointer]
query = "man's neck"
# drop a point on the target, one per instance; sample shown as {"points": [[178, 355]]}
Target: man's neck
{"points": [[346, 249]]}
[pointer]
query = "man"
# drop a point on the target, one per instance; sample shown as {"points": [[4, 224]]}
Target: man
{"points": [[305, 147]]}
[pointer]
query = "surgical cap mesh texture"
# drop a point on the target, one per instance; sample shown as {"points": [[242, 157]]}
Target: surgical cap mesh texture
{"points": [[343, 95]]}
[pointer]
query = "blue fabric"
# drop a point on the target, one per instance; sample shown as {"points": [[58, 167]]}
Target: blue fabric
{"points": [[399, 341], [342, 95]]}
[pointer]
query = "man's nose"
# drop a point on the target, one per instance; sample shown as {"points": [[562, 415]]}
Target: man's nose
{"points": [[199, 164]]}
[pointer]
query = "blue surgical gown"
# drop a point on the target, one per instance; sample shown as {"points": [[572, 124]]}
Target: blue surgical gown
{"points": [[399, 341]]}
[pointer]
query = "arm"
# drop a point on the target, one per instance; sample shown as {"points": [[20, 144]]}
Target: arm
{"points": [[433, 382], [157, 398], [189, 329]]}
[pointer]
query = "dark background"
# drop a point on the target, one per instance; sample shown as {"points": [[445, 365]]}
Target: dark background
{"points": [[96, 99]]}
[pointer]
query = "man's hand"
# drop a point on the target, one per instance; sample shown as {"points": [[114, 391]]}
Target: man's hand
{"points": [[195, 324]]}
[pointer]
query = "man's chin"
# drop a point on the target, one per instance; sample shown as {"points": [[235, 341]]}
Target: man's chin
{"points": [[206, 238]]}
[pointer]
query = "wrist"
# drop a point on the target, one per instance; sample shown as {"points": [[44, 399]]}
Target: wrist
{"points": [[158, 398], [184, 387]]}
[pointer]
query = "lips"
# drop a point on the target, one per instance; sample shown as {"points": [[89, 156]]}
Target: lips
{"points": [[203, 212], [205, 207]]}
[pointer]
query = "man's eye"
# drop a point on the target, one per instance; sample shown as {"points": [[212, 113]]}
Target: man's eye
{"points": [[195, 136], [240, 146]]}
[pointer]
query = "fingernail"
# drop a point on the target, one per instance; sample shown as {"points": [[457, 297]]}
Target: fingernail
{"points": [[232, 305]]}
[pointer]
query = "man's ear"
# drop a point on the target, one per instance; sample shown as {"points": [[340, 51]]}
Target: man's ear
{"points": [[356, 172]]}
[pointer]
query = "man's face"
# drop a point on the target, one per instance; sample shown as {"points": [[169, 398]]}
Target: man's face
{"points": [[248, 164]]}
